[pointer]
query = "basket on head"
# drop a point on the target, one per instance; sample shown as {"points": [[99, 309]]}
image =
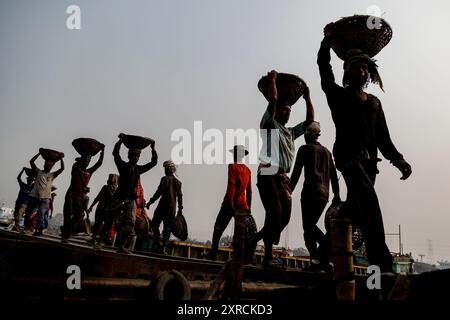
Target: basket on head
{"points": [[136, 142], [353, 33], [50, 155], [289, 87], [87, 146], [180, 229]]}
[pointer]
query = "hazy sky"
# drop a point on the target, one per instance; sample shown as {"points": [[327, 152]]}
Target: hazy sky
{"points": [[150, 67]]}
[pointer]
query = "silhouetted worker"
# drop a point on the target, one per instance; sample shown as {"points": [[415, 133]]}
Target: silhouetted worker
{"points": [[129, 173], [41, 192], [361, 130], [104, 217], [51, 204], [169, 190], [22, 198], [319, 171], [74, 202], [237, 197], [272, 179]]}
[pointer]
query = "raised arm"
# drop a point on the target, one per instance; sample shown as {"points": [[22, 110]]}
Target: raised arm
{"points": [[19, 177], [300, 128], [99, 161], [153, 162], [61, 169], [116, 151], [272, 96], [32, 160], [323, 60], [309, 109]]}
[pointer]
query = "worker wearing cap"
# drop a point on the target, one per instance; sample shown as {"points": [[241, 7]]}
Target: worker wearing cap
{"points": [[319, 169], [169, 190], [237, 197]]}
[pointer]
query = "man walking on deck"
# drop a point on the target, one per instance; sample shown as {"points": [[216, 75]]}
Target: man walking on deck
{"points": [[319, 171], [41, 192], [272, 179], [361, 130], [74, 203], [169, 190], [129, 173], [237, 197]]}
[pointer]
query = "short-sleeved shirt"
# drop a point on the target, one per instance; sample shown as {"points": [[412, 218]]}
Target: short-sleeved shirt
{"points": [[284, 156], [43, 185]]}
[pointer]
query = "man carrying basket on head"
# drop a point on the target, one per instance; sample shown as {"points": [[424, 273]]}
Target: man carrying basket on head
{"points": [[275, 163], [74, 202], [129, 173], [361, 130], [42, 190]]}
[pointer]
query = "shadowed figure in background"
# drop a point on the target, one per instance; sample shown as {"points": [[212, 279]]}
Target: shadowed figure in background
{"points": [[319, 171], [169, 190], [125, 199], [274, 187], [361, 130], [237, 197], [104, 217], [22, 198]]}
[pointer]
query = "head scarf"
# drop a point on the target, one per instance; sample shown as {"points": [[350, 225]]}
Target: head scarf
{"points": [[170, 165], [356, 55]]}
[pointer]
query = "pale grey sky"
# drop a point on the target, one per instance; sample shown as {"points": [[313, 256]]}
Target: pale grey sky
{"points": [[150, 67]]}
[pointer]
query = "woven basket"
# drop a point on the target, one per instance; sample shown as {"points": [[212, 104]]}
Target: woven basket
{"points": [[290, 87], [144, 227], [352, 32], [87, 146], [50, 155], [136, 142]]}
